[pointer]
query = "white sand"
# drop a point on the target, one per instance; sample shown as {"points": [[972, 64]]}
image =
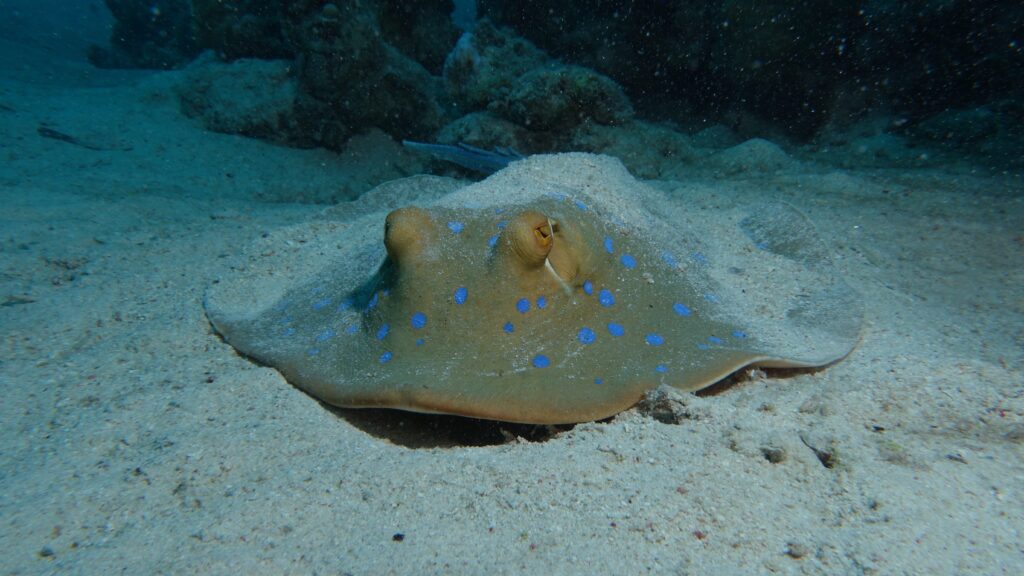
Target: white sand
{"points": [[135, 441]]}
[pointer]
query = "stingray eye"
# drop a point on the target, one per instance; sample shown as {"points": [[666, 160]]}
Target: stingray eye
{"points": [[406, 232], [530, 236], [543, 235]]}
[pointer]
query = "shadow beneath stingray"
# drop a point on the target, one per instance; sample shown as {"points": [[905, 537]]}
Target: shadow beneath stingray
{"points": [[750, 374], [415, 430]]}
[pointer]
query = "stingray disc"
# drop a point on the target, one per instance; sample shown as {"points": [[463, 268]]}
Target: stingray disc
{"points": [[533, 298]]}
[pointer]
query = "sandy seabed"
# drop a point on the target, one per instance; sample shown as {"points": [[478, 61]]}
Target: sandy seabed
{"points": [[135, 441]]}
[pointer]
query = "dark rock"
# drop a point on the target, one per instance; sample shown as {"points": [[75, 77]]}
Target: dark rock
{"points": [[155, 34]]}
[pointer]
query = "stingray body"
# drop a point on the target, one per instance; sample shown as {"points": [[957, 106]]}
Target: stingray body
{"points": [[552, 310]]}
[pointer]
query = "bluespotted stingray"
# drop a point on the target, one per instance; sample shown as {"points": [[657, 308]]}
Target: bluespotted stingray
{"points": [[559, 290]]}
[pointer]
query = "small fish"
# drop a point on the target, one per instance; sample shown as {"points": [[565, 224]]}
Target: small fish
{"points": [[47, 132], [476, 159]]}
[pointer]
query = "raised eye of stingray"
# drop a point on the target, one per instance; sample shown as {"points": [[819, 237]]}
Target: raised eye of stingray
{"points": [[406, 231], [531, 236], [545, 233]]}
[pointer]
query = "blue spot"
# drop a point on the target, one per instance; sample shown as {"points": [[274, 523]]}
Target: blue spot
{"points": [[699, 258], [608, 246], [325, 335], [352, 329], [586, 335], [499, 210], [556, 195], [502, 224], [711, 298], [661, 368], [654, 339], [628, 261], [616, 329], [456, 227], [682, 309], [492, 241], [523, 305], [580, 205], [542, 302], [461, 294], [605, 297], [508, 327], [345, 305], [313, 351], [320, 304], [288, 332], [386, 357], [739, 334], [598, 381], [419, 341], [382, 332], [715, 340], [703, 346], [419, 320], [541, 361], [373, 302], [669, 259], [588, 287]]}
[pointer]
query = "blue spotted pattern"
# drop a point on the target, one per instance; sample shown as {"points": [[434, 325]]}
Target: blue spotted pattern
{"points": [[321, 304], [609, 247], [456, 227], [681, 309], [382, 332], [461, 293], [541, 361], [588, 287], [419, 320], [606, 298], [616, 329], [661, 368], [542, 302], [509, 327], [586, 336], [628, 261], [386, 357], [523, 305], [325, 335], [654, 339]]}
